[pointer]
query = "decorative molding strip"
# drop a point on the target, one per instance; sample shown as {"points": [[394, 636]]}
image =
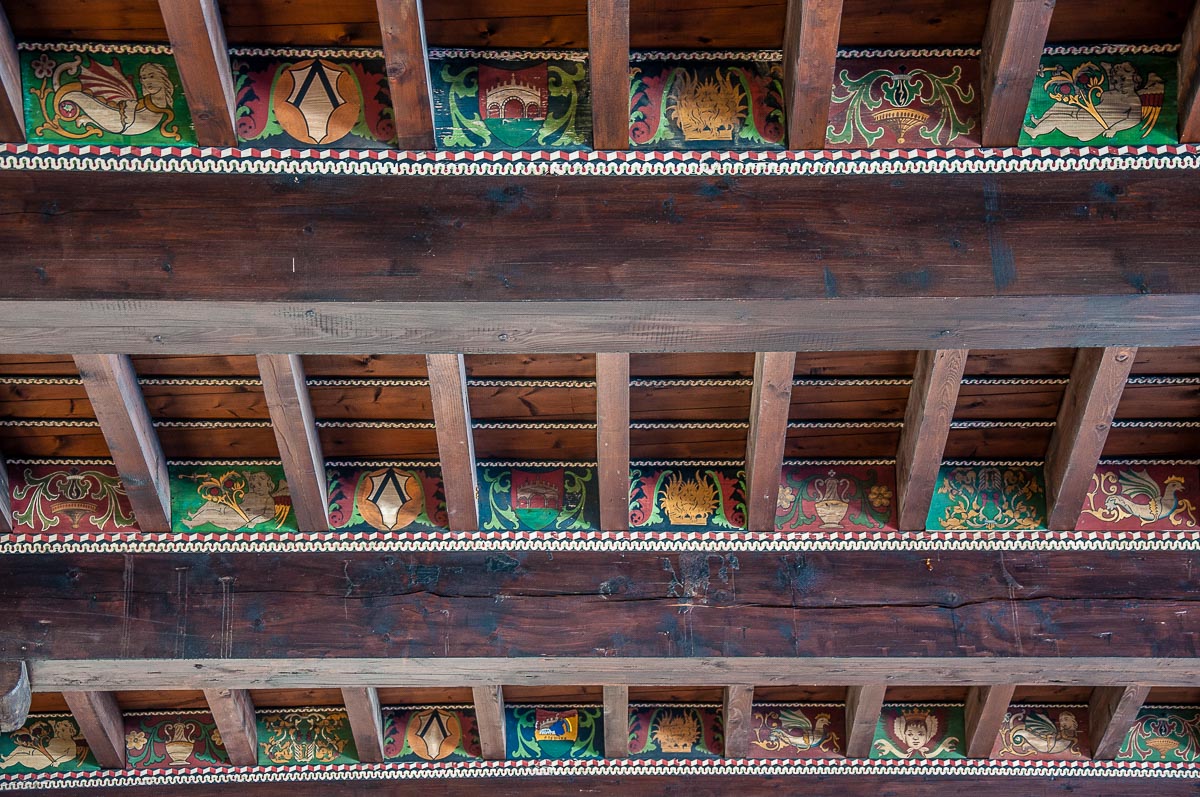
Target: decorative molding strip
{"points": [[1166, 48], [689, 425], [819, 381], [190, 381], [263, 424], [822, 462], [40, 380], [506, 55], [1010, 380], [488, 463], [687, 463], [573, 384], [98, 47], [1002, 424], [348, 53], [845, 424], [373, 382], [531, 425], [1141, 424], [382, 463], [716, 382], [1162, 380], [373, 424], [42, 423]]}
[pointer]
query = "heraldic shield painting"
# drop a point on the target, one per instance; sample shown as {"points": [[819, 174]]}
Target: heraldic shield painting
{"points": [[386, 498]]}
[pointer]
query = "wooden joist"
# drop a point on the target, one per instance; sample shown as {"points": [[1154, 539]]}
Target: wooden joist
{"points": [[202, 56], [402, 25], [456, 443], [366, 722], [112, 388], [863, 704], [6, 518], [1097, 380], [1189, 80], [1012, 50], [233, 711], [15, 695], [612, 439], [931, 402], [1111, 712], [810, 43], [608, 66], [12, 106], [296, 434], [985, 710], [616, 721], [737, 713], [489, 720], [100, 722], [770, 403]]}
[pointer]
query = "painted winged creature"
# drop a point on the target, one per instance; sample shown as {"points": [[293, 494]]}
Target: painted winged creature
{"points": [[1042, 734], [100, 97], [798, 731], [1161, 502]]}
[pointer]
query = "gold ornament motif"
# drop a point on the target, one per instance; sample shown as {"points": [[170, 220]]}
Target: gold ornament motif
{"points": [[302, 737], [707, 110], [1118, 491], [688, 503], [677, 733]]}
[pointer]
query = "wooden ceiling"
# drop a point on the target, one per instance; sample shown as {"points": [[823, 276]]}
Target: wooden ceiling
{"points": [[563, 23]]}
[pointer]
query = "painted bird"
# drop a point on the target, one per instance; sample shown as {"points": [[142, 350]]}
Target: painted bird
{"points": [[1160, 502]]}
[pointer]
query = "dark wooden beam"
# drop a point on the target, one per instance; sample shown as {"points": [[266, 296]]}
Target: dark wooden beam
{"points": [[233, 711], [376, 232], [5, 498], [616, 721], [489, 720], [15, 695], [985, 710], [1189, 80], [810, 42], [770, 403], [608, 65], [863, 704], [402, 25], [113, 391], [202, 56], [612, 439], [366, 722], [737, 714], [1088, 406], [12, 105], [1111, 713], [1012, 50], [456, 443], [99, 720], [930, 409], [296, 434]]}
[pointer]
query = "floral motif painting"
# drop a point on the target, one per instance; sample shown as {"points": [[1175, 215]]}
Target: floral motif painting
{"points": [[313, 102], [988, 498], [538, 498], [430, 733], [706, 105], [219, 498], [676, 731], [173, 740], [535, 732], [688, 498], [46, 743], [1141, 497], [67, 499], [1102, 100], [109, 96], [923, 102], [832, 499], [386, 498], [1163, 733], [305, 736], [522, 104], [1044, 733], [797, 730], [919, 731]]}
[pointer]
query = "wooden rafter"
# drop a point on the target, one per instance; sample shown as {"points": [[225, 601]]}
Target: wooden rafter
{"points": [[12, 107], [1189, 80], [737, 713], [810, 43], [616, 721], [402, 25], [1111, 712], [770, 404], [1012, 50], [15, 695], [202, 56], [6, 517], [366, 722], [1089, 404], [233, 711], [296, 434], [113, 390], [489, 719], [931, 403], [608, 66], [612, 439], [985, 710], [863, 704], [456, 443], [99, 719]]}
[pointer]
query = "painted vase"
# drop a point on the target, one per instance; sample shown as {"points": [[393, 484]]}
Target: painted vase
{"points": [[832, 512], [180, 752]]}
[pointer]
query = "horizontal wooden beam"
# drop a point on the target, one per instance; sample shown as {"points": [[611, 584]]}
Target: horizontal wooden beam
{"points": [[14, 695]]}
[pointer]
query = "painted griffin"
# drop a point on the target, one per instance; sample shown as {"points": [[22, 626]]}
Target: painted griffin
{"points": [[796, 730], [1040, 733]]}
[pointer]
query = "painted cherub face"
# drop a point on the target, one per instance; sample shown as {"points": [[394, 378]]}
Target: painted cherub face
{"points": [[916, 734]]}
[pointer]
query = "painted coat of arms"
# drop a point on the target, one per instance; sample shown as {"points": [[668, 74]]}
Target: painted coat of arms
{"points": [[173, 740], [69, 499], [817, 498], [1102, 100], [313, 101], [226, 499], [919, 731], [735, 105], [797, 731], [1163, 733], [1148, 497], [555, 731], [46, 743], [533, 499], [1058, 733], [988, 498], [667, 731], [386, 498], [530, 103], [430, 733], [930, 102], [688, 498], [303, 736], [112, 97]]}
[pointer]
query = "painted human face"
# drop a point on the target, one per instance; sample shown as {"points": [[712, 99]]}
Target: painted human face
{"points": [[916, 735]]}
